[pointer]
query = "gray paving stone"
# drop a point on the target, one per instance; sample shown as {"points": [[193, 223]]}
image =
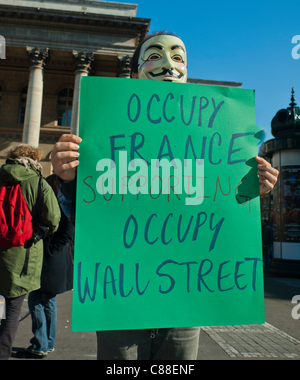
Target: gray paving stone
{"points": [[252, 341]]}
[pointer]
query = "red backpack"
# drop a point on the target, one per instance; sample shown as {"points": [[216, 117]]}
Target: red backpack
{"points": [[15, 218]]}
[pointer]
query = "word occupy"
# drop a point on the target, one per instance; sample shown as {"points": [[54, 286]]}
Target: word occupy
{"points": [[134, 109]]}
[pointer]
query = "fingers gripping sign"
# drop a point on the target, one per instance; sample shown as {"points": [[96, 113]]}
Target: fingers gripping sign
{"points": [[65, 157], [268, 175]]}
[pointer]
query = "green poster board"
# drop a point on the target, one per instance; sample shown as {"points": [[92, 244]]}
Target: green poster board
{"points": [[171, 246]]}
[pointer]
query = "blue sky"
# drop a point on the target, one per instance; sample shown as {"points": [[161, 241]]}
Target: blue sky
{"points": [[234, 40]]}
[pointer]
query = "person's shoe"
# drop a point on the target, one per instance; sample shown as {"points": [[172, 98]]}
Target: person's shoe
{"points": [[35, 354], [26, 354]]}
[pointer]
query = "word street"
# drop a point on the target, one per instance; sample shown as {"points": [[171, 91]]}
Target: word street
{"points": [[204, 276]]}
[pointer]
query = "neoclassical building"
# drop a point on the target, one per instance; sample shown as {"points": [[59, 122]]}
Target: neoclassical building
{"points": [[50, 44]]}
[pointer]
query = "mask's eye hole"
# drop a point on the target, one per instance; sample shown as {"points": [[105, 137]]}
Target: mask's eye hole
{"points": [[154, 57], [177, 58]]}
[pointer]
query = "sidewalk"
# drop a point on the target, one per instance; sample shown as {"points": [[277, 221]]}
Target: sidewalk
{"points": [[278, 339]]}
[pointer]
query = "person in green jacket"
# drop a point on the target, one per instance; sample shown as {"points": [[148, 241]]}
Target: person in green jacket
{"points": [[22, 167]]}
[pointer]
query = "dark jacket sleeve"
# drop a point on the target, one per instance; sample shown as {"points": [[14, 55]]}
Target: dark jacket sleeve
{"points": [[57, 273], [67, 198], [63, 235]]}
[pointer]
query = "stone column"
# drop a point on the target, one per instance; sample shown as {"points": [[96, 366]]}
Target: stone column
{"points": [[124, 64], [82, 62], [33, 111]]}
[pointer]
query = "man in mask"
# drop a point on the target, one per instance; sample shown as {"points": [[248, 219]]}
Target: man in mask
{"points": [[160, 57]]}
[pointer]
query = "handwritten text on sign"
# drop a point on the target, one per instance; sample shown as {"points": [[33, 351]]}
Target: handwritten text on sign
{"points": [[167, 207]]}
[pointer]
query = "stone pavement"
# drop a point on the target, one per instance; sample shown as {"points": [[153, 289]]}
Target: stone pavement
{"points": [[277, 339], [261, 341]]}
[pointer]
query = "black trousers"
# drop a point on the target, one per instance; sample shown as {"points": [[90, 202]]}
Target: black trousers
{"points": [[9, 326]]}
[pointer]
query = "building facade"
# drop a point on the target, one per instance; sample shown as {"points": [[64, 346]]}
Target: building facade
{"points": [[50, 45]]}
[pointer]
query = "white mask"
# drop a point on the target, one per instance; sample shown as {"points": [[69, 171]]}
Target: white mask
{"points": [[163, 58]]}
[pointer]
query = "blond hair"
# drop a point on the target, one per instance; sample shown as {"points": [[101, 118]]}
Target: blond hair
{"points": [[24, 150], [25, 154]]}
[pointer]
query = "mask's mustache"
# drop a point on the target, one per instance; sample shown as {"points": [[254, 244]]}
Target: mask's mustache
{"points": [[164, 72]]}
